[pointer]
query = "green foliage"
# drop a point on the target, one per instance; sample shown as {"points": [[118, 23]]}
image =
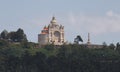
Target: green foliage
{"points": [[22, 56], [66, 58], [104, 45], [112, 46], [14, 36], [20, 36], [118, 47], [17, 36], [4, 34], [78, 39], [4, 43]]}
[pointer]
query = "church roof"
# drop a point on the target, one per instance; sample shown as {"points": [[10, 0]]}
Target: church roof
{"points": [[53, 21]]}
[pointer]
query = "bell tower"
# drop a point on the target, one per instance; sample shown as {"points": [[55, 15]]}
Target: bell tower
{"points": [[88, 39]]}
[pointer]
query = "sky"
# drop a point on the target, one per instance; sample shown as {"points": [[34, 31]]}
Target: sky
{"points": [[100, 18]]}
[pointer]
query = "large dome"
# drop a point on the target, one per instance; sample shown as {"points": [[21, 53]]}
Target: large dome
{"points": [[53, 20]]}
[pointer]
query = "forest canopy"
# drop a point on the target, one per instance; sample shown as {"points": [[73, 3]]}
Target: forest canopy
{"points": [[25, 56]]}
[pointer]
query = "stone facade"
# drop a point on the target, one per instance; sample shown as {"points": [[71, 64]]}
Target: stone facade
{"points": [[52, 34]]}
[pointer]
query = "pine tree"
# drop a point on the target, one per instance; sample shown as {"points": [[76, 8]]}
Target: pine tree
{"points": [[4, 34]]}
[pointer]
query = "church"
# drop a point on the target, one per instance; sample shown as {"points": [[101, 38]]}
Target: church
{"points": [[52, 34]]}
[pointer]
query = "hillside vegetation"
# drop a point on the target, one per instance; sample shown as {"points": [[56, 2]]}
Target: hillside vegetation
{"points": [[23, 56], [66, 58]]}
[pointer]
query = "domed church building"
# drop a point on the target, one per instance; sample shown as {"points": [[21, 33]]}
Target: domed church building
{"points": [[52, 34]]}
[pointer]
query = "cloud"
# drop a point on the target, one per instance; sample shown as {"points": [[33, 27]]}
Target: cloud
{"points": [[109, 13], [96, 24]]}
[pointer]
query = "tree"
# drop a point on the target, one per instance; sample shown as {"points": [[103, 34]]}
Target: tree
{"points": [[118, 46], [4, 34], [12, 36], [78, 39], [18, 36], [112, 46], [104, 45], [4, 43]]}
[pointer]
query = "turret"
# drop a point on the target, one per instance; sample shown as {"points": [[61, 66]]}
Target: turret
{"points": [[53, 21], [88, 38]]}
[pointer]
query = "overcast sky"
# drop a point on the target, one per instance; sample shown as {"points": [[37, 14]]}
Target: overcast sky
{"points": [[100, 18]]}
